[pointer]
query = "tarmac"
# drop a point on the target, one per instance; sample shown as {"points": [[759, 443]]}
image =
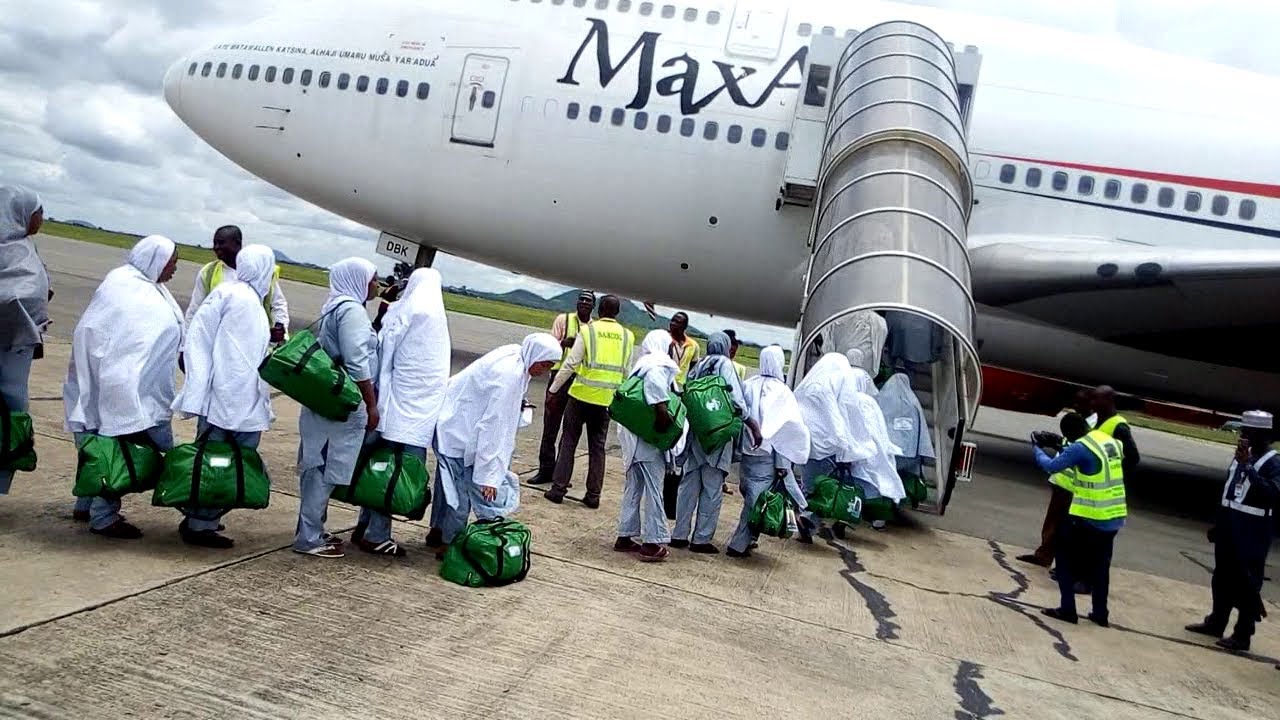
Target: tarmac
{"points": [[931, 620]]}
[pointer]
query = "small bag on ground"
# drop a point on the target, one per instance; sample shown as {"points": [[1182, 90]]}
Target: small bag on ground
{"points": [[213, 474], [17, 440], [833, 500], [630, 410], [389, 480], [301, 369], [713, 418], [111, 467], [769, 514], [488, 553]]}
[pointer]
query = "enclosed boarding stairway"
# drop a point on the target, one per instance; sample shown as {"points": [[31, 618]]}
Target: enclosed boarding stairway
{"points": [[879, 151]]}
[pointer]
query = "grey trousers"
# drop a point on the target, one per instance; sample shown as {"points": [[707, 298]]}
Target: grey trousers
{"points": [[642, 514], [701, 492]]}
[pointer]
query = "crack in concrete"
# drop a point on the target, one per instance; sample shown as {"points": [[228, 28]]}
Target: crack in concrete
{"points": [[875, 600], [975, 703], [1010, 600]]}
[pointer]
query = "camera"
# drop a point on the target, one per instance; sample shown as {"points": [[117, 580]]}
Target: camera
{"points": [[1046, 440]]}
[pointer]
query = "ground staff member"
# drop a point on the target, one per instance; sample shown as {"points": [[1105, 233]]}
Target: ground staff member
{"points": [[600, 357], [1056, 514], [226, 341], [24, 298], [1097, 513], [121, 380], [565, 329], [227, 242], [1241, 535], [685, 351]]}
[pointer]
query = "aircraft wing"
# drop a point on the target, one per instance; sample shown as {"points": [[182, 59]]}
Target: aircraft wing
{"points": [[1112, 289]]}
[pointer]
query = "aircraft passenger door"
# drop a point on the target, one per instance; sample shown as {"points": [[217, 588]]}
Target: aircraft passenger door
{"points": [[475, 118]]}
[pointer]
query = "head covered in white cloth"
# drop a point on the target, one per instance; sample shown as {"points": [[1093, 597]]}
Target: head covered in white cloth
{"points": [[414, 355], [17, 206], [151, 255], [654, 352], [254, 266], [774, 408], [125, 348], [828, 402], [539, 348], [349, 280]]}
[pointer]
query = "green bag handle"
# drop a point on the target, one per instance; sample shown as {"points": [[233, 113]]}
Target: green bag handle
{"points": [[363, 461], [341, 371], [198, 471]]}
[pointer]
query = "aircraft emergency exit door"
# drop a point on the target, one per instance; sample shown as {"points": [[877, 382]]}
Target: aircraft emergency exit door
{"points": [[475, 118]]}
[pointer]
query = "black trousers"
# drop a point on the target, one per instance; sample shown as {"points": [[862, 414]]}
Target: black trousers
{"points": [[1235, 586], [595, 418], [552, 419], [1084, 554]]}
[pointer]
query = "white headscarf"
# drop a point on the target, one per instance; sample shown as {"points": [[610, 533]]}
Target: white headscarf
{"points": [[828, 403], [151, 254], [415, 352], [881, 468], [539, 347], [348, 279], [124, 351], [904, 418], [774, 408], [255, 264], [653, 352], [24, 284]]}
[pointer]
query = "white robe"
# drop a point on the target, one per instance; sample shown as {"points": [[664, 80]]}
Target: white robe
{"points": [[773, 406], [827, 398], [122, 377], [227, 341], [905, 418], [415, 353], [481, 411]]}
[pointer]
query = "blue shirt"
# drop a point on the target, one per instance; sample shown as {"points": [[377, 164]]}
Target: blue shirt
{"points": [[1077, 456]]}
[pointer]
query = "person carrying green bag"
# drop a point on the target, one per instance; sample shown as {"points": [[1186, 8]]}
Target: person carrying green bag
{"points": [[225, 343], [24, 314], [121, 383]]}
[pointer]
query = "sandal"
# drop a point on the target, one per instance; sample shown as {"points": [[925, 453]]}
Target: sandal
{"points": [[389, 548]]}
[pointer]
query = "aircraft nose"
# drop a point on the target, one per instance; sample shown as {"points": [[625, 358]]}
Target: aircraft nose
{"points": [[173, 84]]}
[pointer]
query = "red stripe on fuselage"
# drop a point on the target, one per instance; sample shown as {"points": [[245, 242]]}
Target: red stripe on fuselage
{"points": [[1234, 186]]}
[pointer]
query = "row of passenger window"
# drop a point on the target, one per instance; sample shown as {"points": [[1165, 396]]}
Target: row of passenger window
{"points": [[644, 9], [1139, 193], [688, 127], [323, 79]]}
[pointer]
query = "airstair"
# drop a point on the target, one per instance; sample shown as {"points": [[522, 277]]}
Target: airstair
{"points": [[879, 151]]}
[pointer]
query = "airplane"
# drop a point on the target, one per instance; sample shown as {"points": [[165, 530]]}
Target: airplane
{"points": [[1126, 202]]}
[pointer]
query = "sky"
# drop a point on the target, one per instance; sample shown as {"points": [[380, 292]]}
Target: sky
{"points": [[83, 121]]}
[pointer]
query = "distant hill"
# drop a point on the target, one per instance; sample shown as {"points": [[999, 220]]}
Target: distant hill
{"points": [[632, 315]]}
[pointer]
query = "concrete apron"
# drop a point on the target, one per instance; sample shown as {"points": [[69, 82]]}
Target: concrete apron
{"points": [[913, 622]]}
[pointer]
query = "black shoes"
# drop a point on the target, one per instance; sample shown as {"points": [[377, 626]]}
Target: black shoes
{"points": [[702, 548], [1060, 614], [119, 530], [1234, 644], [679, 544], [204, 538]]}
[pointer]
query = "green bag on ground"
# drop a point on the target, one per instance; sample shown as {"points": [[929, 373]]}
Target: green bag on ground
{"points": [[833, 500], [769, 514], [213, 474], [630, 410], [17, 440], [876, 509], [111, 467], [389, 480], [488, 553], [713, 418], [301, 369], [917, 490]]}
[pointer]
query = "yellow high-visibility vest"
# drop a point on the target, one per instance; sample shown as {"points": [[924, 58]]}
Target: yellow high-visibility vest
{"points": [[570, 333], [211, 276], [1100, 496], [1065, 479], [606, 347], [1109, 426]]}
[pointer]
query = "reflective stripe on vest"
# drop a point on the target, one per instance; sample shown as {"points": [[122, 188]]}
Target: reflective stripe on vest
{"points": [[570, 333], [1236, 501], [606, 347], [211, 277], [1108, 427], [1100, 496]]}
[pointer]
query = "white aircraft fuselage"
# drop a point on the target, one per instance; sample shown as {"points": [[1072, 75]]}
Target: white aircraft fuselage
{"points": [[640, 147]]}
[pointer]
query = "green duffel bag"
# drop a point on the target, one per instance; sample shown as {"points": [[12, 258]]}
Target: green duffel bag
{"points": [[769, 514], [630, 410], [833, 500], [713, 418], [488, 553], [111, 467], [17, 440], [301, 369], [878, 509], [917, 490], [389, 480], [213, 474]]}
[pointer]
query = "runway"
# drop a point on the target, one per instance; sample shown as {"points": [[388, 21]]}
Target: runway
{"points": [[936, 620]]}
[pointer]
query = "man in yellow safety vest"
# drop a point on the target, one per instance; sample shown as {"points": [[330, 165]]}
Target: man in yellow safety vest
{"points": [[227, 242], [1097, 513], [1111, 423], [565, 329], [1059, 500], [685, 350], [597, 364]]}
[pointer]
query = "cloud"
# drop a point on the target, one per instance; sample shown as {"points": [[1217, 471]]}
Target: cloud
{"points": [[82, 121]]}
